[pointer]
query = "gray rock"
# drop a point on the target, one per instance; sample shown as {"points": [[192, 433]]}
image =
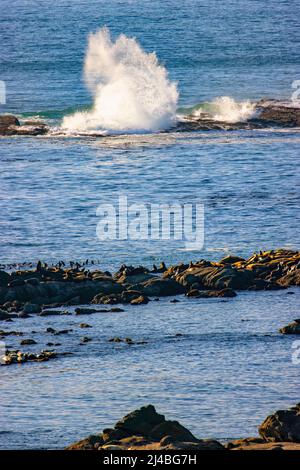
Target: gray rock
{"points": [[31, 308]]}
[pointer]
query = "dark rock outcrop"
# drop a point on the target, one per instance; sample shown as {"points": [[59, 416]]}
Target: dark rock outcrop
{"points": [[266, 113], [273, 112], [158, 287], [291, 329], [10, 125], [145, 429], [283, 425]]}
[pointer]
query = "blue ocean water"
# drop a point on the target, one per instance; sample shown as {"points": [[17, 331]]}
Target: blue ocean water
{"points": [[248, 181]]}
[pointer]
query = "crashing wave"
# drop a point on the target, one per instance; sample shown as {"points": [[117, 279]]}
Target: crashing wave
{"points": [[131, 90]]}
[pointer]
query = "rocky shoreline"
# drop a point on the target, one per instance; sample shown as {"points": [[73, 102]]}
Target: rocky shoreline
{"points": [[145, 429], [267, 113]]}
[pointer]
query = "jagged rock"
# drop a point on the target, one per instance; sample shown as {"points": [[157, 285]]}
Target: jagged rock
{"points": [[283, 425]]}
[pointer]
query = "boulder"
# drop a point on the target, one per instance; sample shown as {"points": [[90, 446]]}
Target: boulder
{"points": [[145, 429], [7, 124], [283, 425], [173, 429], [291, 329], [31, 308], [141, 421], [159, 287]]}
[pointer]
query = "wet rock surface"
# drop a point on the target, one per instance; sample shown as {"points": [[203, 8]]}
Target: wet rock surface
{"points": [[266, 113]]}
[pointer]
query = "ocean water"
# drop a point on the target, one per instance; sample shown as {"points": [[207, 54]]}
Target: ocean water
{"points": [[232, 367]]}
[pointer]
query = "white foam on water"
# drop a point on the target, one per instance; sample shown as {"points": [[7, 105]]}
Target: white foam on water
{"points": [[131, 90], [226, 109]]}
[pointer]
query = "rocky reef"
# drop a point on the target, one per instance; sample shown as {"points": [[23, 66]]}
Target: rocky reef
{"points": [[267, 113], [38, 292], [145, 429]]}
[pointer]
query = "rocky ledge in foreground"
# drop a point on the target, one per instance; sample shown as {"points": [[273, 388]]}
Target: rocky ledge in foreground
{"points": [[145, 429], [23, 293]]}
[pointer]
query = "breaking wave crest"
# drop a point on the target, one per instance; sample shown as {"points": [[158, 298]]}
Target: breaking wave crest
{"points": [[225, 109]]}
